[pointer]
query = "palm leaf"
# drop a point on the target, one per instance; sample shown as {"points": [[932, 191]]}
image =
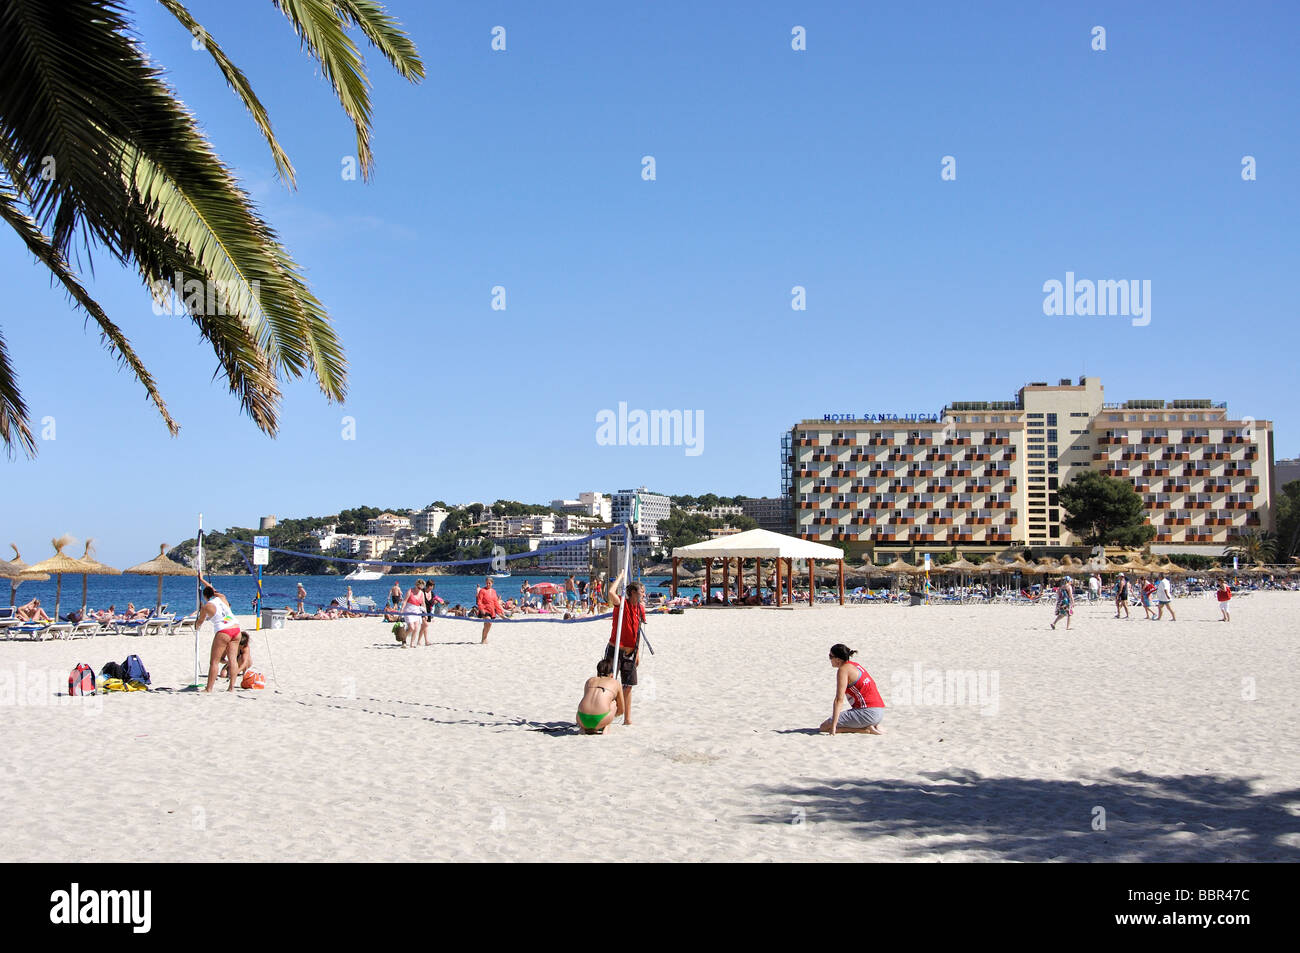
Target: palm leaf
{"points": [[112, 337], [13, 412], [385, 32], [238, 82]]}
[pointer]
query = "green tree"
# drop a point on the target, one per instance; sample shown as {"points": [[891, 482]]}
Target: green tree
{"points": [[1286, 517], [96, 151], [1105, 511], [1253, 548]]}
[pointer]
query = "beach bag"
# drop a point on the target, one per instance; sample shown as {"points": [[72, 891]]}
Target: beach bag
{"points": [[113, 685], [82, 680], [111, 670], [133, 670], [399, 631], [253, 680]]}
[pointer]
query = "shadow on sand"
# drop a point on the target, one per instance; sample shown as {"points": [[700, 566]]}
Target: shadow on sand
{"points": [[1147, 817]]}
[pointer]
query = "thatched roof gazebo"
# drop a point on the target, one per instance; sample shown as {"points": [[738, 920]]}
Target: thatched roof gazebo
{"points": [[60, 565], [18, 572], [161, 566]]}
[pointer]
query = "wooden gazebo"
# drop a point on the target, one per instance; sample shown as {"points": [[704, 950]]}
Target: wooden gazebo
{"points": [[758, 545]]}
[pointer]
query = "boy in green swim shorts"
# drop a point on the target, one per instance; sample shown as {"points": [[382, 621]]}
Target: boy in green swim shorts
{"points": [[601, 700]]}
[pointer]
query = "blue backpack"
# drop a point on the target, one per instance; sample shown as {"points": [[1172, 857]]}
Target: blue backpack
{"points": [[133, 670]]}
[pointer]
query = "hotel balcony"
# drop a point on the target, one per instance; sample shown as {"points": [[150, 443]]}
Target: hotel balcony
{"points": [[939, 456], [920, 505], [805, 441], [960, 471], [1237, 472], [843, 472], [980, 521], [1011, 520], [1178, 521], [1163, 537], [997, 537], [844, 535], [1160, 504], [898, 455], [1104, 441], [1196, 440], [859, 456], [845, 505], [1196, 471], [842, 442], [1158, 473], [1176, 455], [1155, 439], [904, 519], [1252, 519], [807, 505], [1114, 471], [1236, 505], [1197, 505], [879, 473], [1216, 456], [959, 441], [1218, 521], [825, 456], [997, 441], [920, 535], [1251, 455], [826, 521], [1008, 456], [961, 537], [1134, 455], [920, 471], [1001, 472], [999, 505], [861, 488], [941, 520], [1237, 439], [862, 520], [807, 473], [978, 455], [960, 505]]}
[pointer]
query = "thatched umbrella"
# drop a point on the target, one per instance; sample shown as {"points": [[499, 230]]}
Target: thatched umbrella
{"points": [[961, 564], [59, 565], [161, 566], [16, 571], [97, 569]]}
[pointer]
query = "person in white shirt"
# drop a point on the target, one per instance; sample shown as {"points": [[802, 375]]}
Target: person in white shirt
{"points": [[1094, 587], [1164, 598]]}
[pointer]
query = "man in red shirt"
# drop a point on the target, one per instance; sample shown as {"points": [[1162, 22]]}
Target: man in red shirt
{"points": [[489, 606], [1225, 596], [629, 642]]}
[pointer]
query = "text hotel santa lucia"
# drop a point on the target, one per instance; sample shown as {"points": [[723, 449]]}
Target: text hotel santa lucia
{"points": [[166, 902]]}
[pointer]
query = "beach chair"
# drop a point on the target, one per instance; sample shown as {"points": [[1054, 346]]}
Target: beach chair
{"points": [[86, 627], [8, 621], [187, 624], [158, 625]]}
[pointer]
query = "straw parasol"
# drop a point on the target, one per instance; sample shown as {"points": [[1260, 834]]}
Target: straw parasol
{"points": [[60, 565], [993, 564], [899, 566], [961, 564], [161, 566], [97, 569], [16, 571]]}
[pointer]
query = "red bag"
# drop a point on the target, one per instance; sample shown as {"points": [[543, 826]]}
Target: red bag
{"points": [[253, 680], [82, 680]]}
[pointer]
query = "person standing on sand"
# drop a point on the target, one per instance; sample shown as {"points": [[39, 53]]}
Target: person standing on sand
{"points": [[1164, 598], [1224, 596], [302, 596], [225, 634], [1145, 588], [489, 606], [1121, 595], [1064, 602], [601, 700], [1094, 587], [413, 612], [570, 590], [395, 595], [628, 645], [866, 707]]}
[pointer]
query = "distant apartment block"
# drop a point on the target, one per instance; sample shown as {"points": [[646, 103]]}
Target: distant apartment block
{"points": [[771, 513]]}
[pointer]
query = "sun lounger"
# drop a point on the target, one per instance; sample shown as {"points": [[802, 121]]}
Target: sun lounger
{"points": [[85, 628], [159, 625]]}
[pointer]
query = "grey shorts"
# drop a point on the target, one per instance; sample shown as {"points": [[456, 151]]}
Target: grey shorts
{"points": [[860, 718]]}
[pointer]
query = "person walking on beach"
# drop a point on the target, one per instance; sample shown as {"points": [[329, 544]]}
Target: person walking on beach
{"points": [[1121, 595], [866, 707], [489, 606], [1164, 598], [1094, 587], [1064, 602], [302, 597], [1224, 596], [570, 590], [395, 595], [1145, 589], [225, 634], [601, 700], [626, 644], [413, 612]]}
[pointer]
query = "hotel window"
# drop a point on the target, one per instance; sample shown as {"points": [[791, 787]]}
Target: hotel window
{"points": [[1054, 515], [1035, 430], [1052, 450], [1051, 436], [975, 420], [1114, 417], [1051, 483], [1034, 416], [1054, 532], [1053, 467]]}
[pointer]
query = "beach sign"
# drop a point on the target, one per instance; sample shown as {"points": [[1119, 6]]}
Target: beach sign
{"points": [[261, 550]]}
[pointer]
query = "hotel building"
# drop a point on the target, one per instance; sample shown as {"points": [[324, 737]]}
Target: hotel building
{"points": [[985, 475]]}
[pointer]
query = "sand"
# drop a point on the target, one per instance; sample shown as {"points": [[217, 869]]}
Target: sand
{"points": [[1126, 740]]}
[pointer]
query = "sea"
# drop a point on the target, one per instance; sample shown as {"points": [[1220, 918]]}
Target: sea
{"points": [[180, 595]]}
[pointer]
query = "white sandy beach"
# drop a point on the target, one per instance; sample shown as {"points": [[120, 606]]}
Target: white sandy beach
{"points": [[1181, 732]]}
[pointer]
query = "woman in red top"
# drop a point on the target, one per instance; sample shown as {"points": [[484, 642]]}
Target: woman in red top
{"points": [[1225, 595], [489, 606], [866, 709], [628, 641]]}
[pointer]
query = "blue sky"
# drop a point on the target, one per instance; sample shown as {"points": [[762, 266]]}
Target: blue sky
{"points": [[775, 168]]}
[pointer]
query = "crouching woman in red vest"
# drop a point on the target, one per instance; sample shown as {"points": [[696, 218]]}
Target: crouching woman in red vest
{"points": [[866, 707]]}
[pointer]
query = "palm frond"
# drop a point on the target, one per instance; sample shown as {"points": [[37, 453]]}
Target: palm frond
{"points": [[238, 82], [322, 30], [13, 412], [111, 336], [386, 33]]}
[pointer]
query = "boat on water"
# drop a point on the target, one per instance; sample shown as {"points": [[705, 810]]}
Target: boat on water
{"points": [[364, 574], [500, 575]]}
